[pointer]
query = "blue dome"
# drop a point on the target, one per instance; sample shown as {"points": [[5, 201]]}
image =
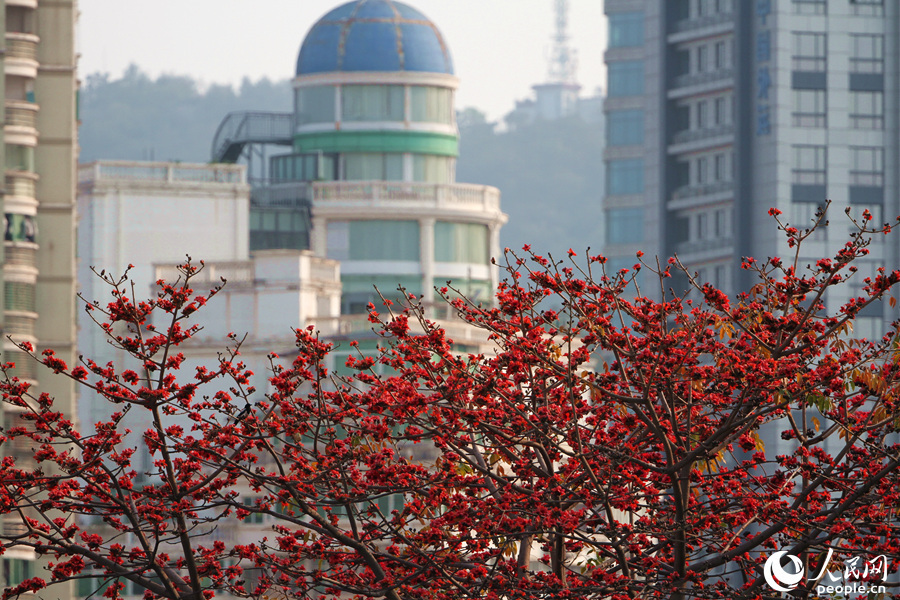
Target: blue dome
{"points": [[374, 35]]}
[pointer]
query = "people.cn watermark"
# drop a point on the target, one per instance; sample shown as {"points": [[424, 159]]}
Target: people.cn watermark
{"points": [[783, 572]]}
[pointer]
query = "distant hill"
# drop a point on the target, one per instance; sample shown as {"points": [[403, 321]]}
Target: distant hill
{"points": [[550, 173], [171, 117]]}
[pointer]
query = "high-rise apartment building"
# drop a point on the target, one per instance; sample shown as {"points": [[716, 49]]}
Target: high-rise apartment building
{"points": [[39, 151], [718, 110]]}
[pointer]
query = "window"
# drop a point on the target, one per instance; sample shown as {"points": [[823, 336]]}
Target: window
{"points": [[702, 59], [626, 78], [804, 215], [810, 7], [461, 243], [722, 170], [809, 52], [315, 104], [722, 61], [809, 108], [702, 170], [866, 110], [373, 167], [625, 176], [626, 29], [432, 168], [702, 226], [19, 158], [867, 54], [624, 127], [867, 166], [721, 111], [702, 112], [18, 296], [372, 103], [809, 164], [624, 225], [867, 7], [723, 223], [431, 104], [723, 6], [384, 240]]}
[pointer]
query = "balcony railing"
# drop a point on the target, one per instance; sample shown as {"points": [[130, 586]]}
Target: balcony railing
{"points": [[21, 114], [19, 255], [234, 271], [456, 195], [693, 135], [701, 22], [694, 191], [692, 79], [696, 246], [22, 46], [20, 184], [162, 172], [17, 325]]}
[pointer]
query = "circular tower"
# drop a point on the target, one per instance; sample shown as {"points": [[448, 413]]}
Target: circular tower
{"points": [[375, 134]]}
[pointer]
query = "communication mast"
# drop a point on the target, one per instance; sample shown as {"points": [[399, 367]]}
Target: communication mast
{"points": [[562, 57]]}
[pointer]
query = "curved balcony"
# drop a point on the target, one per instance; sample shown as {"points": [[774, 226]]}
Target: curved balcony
{"points": [[22, 3], [692, 140], [404, 194], [21, 54], [20, 124], [20, 183], [20, 254], [19, 326]]}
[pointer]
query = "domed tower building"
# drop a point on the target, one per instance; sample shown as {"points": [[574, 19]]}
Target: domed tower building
{"points": [[374, 146]]}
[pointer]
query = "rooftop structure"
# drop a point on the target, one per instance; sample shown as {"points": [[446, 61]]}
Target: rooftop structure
{"points": [[370, 179]]}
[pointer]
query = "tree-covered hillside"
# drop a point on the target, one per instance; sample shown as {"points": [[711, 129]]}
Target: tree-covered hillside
{"points": [[550, 173], [171, 117]]}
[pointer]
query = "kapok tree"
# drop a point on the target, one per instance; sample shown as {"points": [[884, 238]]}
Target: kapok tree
{"points": [[614, 446]]}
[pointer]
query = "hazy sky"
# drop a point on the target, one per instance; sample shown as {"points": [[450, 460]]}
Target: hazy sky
{"points": [[499, 47]]}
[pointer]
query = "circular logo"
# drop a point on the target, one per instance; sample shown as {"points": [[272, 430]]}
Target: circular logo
{"points": [[779, 579]]}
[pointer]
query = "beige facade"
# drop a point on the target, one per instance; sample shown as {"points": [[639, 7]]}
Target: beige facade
{"points": [[39, 155]]}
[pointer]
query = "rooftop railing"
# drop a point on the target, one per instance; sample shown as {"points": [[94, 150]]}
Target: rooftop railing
{"points": [[161, 172]]}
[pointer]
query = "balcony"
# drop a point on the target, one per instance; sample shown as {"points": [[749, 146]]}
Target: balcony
{"points": [[19, 326], [692, 135], [405, 196], [20, 255], [21, 184], [20, 124], [693, 27], [714, 247], [697, 195], [21, 54], [695, 83]]}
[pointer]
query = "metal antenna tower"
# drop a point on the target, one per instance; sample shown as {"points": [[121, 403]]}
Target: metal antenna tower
{"points": [[562, 57]]}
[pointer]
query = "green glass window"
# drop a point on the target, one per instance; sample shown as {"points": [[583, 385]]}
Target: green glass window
{"points": [[626, 29], [384, 240], [315, 104], [461, 243], [18, 296], [431, 104], [372, 103], [476, 290], [433, 169], [624, 225], [19, 158], [373, 167], [359, 290]]}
